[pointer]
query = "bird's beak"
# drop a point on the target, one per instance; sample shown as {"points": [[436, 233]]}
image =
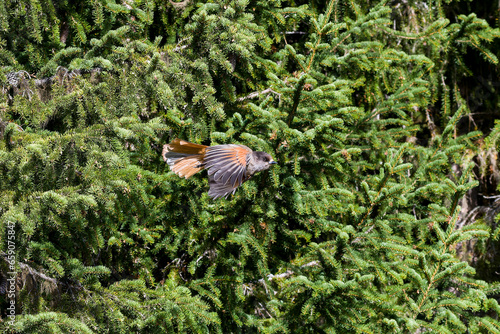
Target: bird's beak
{"points": [[272, 162]]}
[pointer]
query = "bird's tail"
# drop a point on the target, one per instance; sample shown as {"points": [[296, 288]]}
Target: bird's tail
{"points": [[184, 158]]}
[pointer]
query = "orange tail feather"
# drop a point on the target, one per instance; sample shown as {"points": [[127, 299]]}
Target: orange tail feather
{"points": [[188, 166], [184, 158], [182, 146]]}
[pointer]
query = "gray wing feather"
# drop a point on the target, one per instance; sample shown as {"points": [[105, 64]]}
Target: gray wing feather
{"points": [[226, 166], [219, 189]]}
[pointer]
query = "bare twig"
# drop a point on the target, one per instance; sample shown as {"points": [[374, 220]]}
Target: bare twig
{"points": [[288, 273], [257, 94], [179, 5]]}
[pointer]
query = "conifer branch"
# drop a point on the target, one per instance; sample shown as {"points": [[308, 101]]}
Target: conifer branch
{"points": [[296, 99]]}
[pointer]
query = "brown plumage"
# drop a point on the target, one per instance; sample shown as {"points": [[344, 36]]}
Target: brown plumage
{"points": [[228, 165]]}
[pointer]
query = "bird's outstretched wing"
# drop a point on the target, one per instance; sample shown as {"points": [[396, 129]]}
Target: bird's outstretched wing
{"points": [[226, 165]]}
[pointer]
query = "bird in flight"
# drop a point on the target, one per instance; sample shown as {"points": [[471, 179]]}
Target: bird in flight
{"points": [[228, 165]]}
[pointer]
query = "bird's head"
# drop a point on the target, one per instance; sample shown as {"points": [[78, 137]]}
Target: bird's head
{"points": [[262, 161]]}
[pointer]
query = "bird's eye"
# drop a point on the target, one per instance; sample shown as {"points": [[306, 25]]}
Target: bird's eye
{"points": [[266, 159]]}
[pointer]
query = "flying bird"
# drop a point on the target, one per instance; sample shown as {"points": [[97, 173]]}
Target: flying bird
{"points": [[228, 165]]}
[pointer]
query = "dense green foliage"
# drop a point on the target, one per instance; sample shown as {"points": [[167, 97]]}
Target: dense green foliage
{"points": [[360, 102]]}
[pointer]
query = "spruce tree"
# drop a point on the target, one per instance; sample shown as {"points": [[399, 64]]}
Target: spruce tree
{"points": [[354, 231]]}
